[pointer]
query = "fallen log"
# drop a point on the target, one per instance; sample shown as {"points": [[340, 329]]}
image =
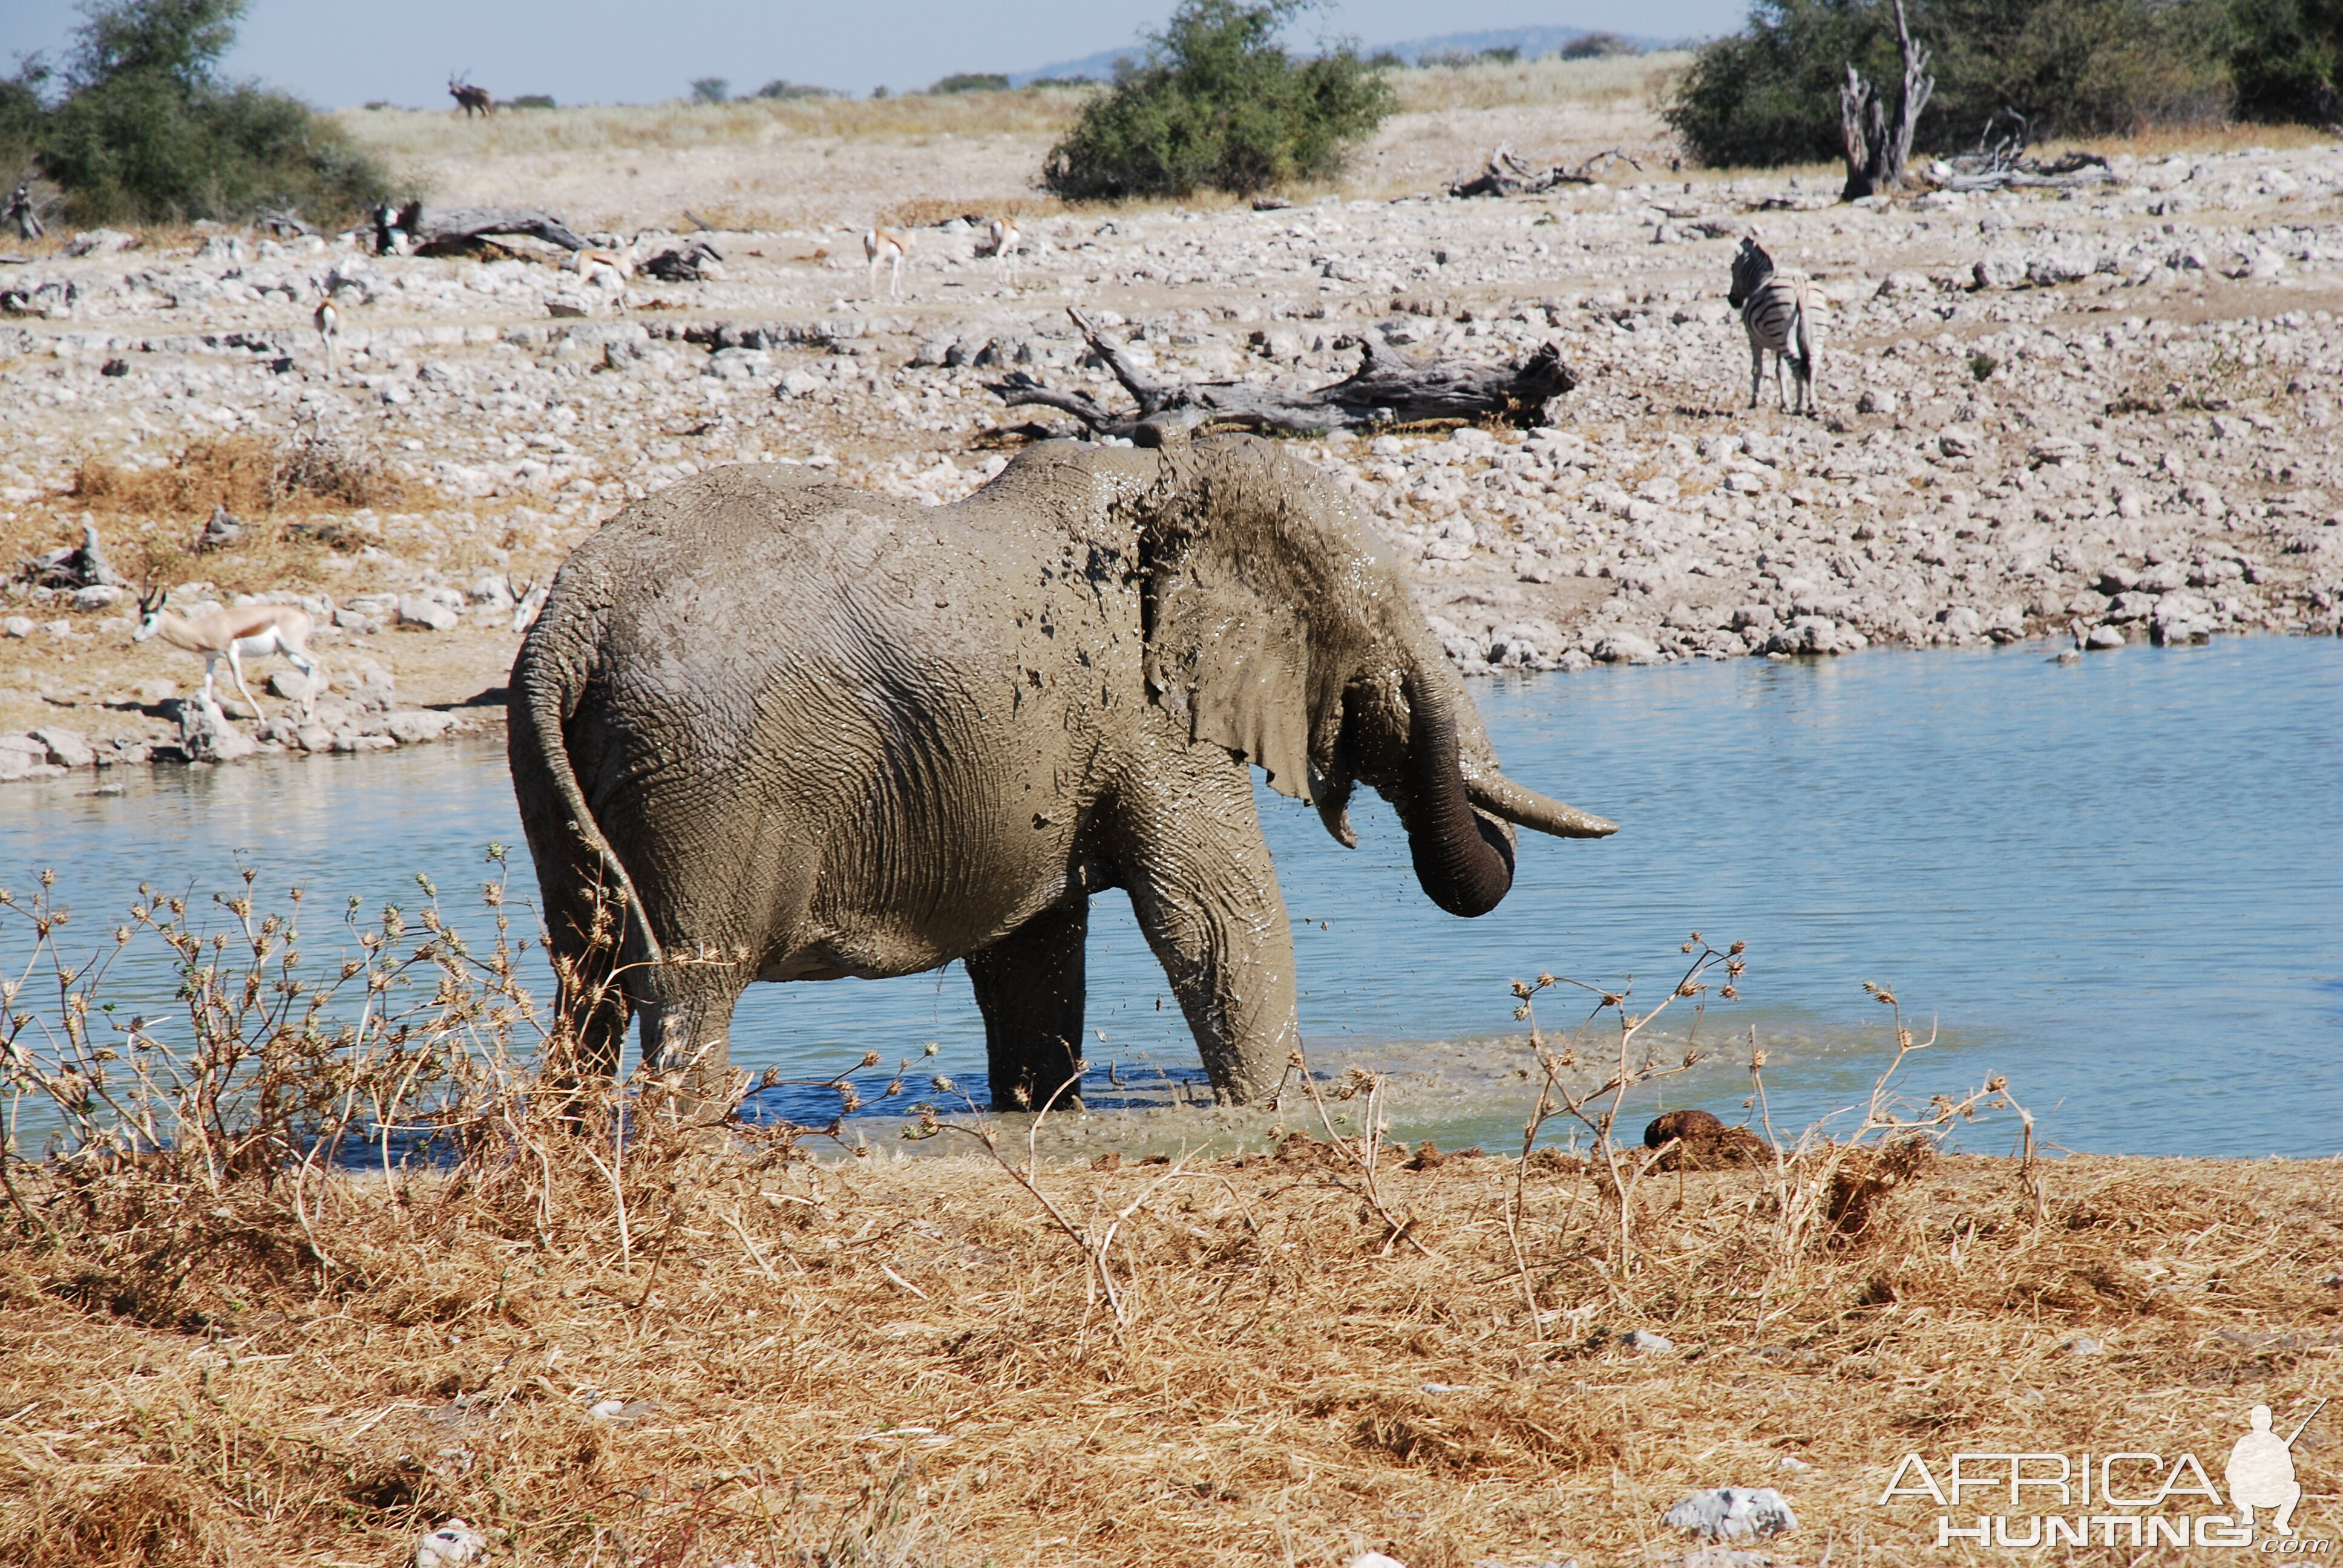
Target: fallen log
{"points": [[1507, 174], [439, 233], [687, 263], [2001, 164], [1385, 390], [73, 566], [2073, 171], [287, 222]]}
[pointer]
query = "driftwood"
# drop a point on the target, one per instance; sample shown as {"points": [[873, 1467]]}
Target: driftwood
{"points": [[1509, 176], [287, 222], [74, 566], [438, 233], [1384, 391], [2000, 163], [685, 262]]}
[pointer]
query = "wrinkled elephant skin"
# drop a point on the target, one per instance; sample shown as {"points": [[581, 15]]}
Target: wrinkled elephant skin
{"points": [[771, 727]]}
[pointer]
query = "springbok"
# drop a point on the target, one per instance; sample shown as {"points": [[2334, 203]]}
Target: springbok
{"points": [[889, 246], [1003, 237], [232, 634], [594, 265], [330, 330]]}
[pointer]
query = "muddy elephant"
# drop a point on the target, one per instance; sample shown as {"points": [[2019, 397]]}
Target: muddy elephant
{"points": [[775, 727]]}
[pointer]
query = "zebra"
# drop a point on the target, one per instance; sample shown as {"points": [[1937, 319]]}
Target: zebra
{"points": [[1777, 312]]}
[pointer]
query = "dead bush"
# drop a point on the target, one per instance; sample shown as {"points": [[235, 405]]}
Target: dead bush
{"points": [[251, 477]]}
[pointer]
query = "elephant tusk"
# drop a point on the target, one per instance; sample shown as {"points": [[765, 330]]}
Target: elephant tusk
{"points": [[1500, 797]]}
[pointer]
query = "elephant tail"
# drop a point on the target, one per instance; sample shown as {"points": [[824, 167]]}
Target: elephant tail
{"points": [[544, 694]]}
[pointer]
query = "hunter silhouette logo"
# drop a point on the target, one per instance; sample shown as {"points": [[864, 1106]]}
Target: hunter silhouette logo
{"points": [[2129, 1498], [2262, 1471]]}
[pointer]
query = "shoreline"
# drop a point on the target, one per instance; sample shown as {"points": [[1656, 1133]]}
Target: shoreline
{"points": [[58, 751]]}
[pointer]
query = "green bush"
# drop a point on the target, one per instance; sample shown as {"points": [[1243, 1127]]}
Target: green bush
{"points": [[710, 90], [1218, 104], [21, 118], [147, 132], [1769, 93], [973, 82], [2289, 60]]}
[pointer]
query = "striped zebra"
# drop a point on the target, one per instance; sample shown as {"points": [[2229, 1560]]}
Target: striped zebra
{"points": [[1777, 312]]}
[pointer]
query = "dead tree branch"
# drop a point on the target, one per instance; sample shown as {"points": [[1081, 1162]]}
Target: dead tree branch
{"points": [[2000, 163], [1506, 174], [434, 233], [1385, 390]]}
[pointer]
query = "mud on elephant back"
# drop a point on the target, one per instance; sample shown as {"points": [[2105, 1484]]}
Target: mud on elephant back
{"points": [[773, 727]]}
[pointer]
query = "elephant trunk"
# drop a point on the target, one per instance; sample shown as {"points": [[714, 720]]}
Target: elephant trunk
{"points": [[1465, 859]]}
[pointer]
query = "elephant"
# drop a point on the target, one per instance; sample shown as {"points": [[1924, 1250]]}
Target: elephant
{"points": [[772, 727]]}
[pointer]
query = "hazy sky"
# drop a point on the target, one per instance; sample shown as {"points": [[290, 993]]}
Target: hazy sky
{"points": [[337, 52]]}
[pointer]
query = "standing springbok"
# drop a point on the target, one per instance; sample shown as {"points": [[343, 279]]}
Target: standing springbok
{"points": [[330, 330], [889, 246], [1003, 237], [253, 630]]}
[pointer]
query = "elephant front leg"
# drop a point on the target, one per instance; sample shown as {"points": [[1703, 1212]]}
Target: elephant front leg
{"points": [[1029, 986], [1207, 899]]}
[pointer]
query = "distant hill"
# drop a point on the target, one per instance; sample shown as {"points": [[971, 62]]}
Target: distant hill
{"points": [[1532, 42]]}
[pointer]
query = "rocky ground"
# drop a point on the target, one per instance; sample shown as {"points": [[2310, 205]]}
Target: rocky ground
{"points": [[2098, 417]]}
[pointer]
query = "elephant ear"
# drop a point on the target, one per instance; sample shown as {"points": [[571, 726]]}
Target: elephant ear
{"points": [[1237, 569]]}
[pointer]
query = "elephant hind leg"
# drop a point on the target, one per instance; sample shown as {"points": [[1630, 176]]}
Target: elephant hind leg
{"points": [[686, 1013], [1029, 986], [591, 1002]]}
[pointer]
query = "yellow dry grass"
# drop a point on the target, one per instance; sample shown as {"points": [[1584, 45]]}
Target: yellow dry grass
{"points": [[1621, 81], [293, 496], [795, 1349], [406, 134], [241, 1328]]}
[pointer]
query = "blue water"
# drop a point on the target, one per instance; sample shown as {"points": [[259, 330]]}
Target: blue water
{"points": [[2117, 882]]}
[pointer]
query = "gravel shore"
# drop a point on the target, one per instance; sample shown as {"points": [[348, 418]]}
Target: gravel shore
{"points": [[2098, 417]]}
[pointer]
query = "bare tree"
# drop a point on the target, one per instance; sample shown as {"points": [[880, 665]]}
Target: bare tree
{"points": [[1875, 156]]}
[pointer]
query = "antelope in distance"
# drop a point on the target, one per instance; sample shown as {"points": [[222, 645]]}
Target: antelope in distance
{"points": [[470, 99], [1003, 239], [1777, 312], [888, 245], [329, 331], [252, 630]]}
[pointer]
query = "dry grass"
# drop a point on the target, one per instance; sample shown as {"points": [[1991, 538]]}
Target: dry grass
{"points": [[412, 134], [292, 494], [401, 134], [224, 1348], [247, 475], [1621, 81]]}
